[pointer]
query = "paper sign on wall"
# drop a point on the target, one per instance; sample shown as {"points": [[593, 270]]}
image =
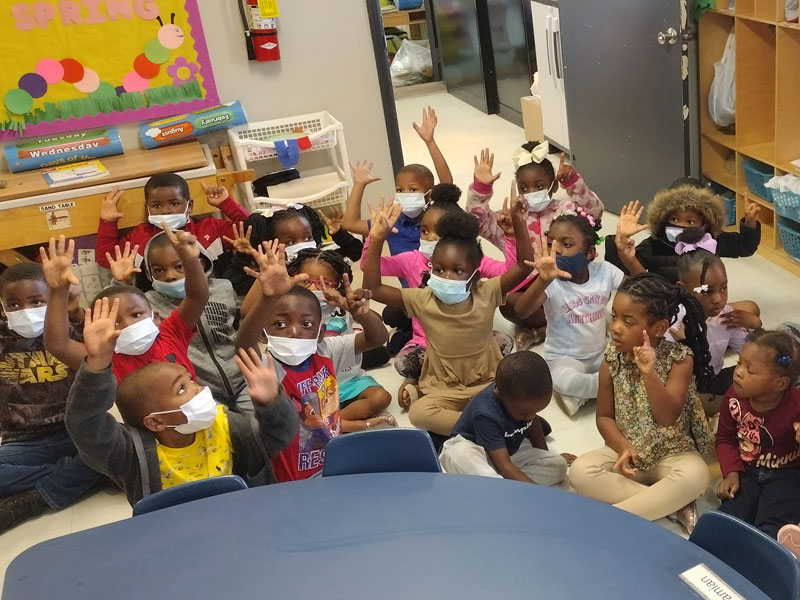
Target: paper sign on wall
{"points": [[268, 9]]}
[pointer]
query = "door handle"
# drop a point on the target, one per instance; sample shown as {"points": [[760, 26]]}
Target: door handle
{"points": [[559, 54], [547, 37], [670, 36]]}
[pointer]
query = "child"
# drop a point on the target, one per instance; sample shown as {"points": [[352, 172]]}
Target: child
{"points": [[574, 290], [759, 434], [305, 359], [167, 198], [537, 182], [648, 411], [141, 340], [39, 466], [499, 434], [686, 217], [456, 311], [212, 351], [414, 266], [173, 431]]}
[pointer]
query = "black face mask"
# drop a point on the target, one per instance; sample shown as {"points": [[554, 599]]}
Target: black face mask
{"points": [[691, 235], [574, 265]]}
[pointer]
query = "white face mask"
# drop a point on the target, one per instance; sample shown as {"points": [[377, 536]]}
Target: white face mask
{"points": [[450, 291], [293, 250], [538, 201], [672, 233], [411, 202], [291, 351], [138, 338], [200, 411], [172, 289], [173, 221], [28, 322], [427, 247]]}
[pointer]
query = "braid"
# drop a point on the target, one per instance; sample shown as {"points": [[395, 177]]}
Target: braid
{"points": [[336, 261], [586, 228]]}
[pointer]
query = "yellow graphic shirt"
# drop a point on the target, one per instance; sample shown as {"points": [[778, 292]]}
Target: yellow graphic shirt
{"points": [[210, 454]]}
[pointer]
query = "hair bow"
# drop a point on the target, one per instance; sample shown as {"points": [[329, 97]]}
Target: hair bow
{"points": [[704, 243], [522, 157], [701, 289], [785, 359]]}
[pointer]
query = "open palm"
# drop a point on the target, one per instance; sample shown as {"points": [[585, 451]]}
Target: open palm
{"points": [[545, 262], [272, 274], [57, 263]]}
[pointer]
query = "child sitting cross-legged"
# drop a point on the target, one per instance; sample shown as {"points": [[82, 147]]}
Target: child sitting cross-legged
{"points": [[173, 430], [499, 434], [305, 359]]}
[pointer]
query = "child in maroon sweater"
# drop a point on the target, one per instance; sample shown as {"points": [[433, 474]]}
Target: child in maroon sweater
{"points": [[758, 442]]}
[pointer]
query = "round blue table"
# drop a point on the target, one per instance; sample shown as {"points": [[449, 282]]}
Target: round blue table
{"points": [[394, 535]]}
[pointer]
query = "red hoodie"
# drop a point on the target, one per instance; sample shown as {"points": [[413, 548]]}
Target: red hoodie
{"points": [[208, 230]]}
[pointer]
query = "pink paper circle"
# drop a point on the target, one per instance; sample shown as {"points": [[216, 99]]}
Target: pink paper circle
{"points": [[89, 83], [51, 70], [34, 84], [133, 82], [170, 36]]}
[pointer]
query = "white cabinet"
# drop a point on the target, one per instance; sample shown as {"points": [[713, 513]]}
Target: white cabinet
{"points": [[550, 61]]}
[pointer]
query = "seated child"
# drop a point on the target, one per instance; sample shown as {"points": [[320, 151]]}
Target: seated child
{"points": [[173, 430], [167, 198], [648, 411], [141, 341], [456, 311], [758, 439], [499, 434], [537, 182], [574, 290], [39, 465], [212, 351], [304, 358]]}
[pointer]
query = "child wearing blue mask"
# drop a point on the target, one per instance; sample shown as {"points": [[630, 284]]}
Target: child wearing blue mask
{"points": [[456, 311], [574, 290]]}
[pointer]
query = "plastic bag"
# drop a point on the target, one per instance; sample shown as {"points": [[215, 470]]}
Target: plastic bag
{"points": [[412, 63], [722, 95]]}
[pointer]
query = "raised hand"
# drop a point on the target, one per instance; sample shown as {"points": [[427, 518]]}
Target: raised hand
{"points": [[519, 209], [728, 487], [261, 378], [546, 260], [185, 244], [215, 194], [504, 219], [382, 219], [357, 300], [109, 211], [628, 224], [626, 464], [645, 355], [483, 168], [332, 295], [362, 172], [741, 319], [57, 265], [241, 238], [751, 210], [332, 219], [123, 267], [100, 331], [565, 171], [428, 127], [272, 275]]}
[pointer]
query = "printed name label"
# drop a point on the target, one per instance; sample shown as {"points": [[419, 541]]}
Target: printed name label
{"points": [[57, 206], [708, 584]]}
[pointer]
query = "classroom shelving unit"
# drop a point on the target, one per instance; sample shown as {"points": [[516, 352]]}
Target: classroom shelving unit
{"points": [[767, 127]]}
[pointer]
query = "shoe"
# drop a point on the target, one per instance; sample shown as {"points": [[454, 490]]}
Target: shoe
{"points": [[687, 516], [569, 404], [526, 338], [20, 507], [789, 537]]}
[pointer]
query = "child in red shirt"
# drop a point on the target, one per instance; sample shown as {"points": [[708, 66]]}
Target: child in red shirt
{"points": [[167, 197], [758, 440], [140, 341]]}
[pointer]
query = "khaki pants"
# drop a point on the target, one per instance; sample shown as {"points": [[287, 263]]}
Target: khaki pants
{"points": [[673, 483], [436, 413]]}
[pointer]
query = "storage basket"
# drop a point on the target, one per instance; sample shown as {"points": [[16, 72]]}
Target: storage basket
{"points": [[790, 236], [407, 4], [757, 174], [787, 204], [730, 210], [258, 139]]}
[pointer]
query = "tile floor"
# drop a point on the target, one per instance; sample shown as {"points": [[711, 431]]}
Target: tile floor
{"points": [[461, 133]]}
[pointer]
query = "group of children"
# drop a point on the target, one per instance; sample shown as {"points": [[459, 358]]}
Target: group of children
{"points": [[180, 351]]}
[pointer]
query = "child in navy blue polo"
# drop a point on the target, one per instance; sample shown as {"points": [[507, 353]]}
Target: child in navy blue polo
{"points": [[500, 433]]}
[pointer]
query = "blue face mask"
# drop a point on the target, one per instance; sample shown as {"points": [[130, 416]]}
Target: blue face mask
{"points": [[450, 291], [574, 265], [172, 289]]}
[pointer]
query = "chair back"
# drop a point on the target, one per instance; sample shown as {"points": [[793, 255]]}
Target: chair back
{"points": [[381, 451], [186, 492]]}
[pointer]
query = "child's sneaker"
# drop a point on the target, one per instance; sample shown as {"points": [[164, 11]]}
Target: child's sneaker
{"points": [[789, 537], [20, 507]]}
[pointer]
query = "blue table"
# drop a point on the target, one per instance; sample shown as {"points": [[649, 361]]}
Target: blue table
{"points": [[400, 535]]}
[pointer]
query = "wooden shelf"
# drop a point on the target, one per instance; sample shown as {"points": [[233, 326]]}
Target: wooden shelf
{"points": [[720, 137], [723, 11], [764, 152]]}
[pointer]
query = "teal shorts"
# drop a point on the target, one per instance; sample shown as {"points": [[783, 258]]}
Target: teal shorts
{"points": [[349, 390]]}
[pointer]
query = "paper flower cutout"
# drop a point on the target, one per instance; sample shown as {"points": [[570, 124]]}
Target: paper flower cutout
{"points": [[182, 71]]}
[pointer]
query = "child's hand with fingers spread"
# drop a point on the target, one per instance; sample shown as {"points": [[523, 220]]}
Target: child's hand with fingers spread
{"points": [[100, 333], [362, 173], [628, 224], [565, 171], [332, 219], [645, 355], [272, 275], [185, 244], [428, 127], [241, 238], [383, 218], [123, 267], [483, 168], [546, 260], [57, 265], [261, 378], [215, 194], [109, 211], [751, 210]]}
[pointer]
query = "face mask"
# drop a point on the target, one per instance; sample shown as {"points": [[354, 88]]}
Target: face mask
{"points": [[138, 338], [537, 201], [200, 411], [293, 250], [574, 265], [672, 233], [412, 203], [450, 291], [173, 221], [28, 322], [291, 351], [427, 247], [173, 289]]}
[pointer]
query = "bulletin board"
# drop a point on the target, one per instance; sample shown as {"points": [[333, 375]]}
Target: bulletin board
{"points": [[79, 64]]}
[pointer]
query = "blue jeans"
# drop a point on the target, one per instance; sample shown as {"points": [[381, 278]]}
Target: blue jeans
{"points": [[51, 465]]}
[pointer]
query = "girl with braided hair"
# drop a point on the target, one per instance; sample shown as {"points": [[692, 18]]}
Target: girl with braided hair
{"points": [[648, 410]]}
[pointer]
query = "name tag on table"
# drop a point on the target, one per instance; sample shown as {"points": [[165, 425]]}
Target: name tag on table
{"points": [[708, 584]]}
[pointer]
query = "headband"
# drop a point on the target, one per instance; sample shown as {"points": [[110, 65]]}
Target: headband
{"points": [[522, 157]]}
